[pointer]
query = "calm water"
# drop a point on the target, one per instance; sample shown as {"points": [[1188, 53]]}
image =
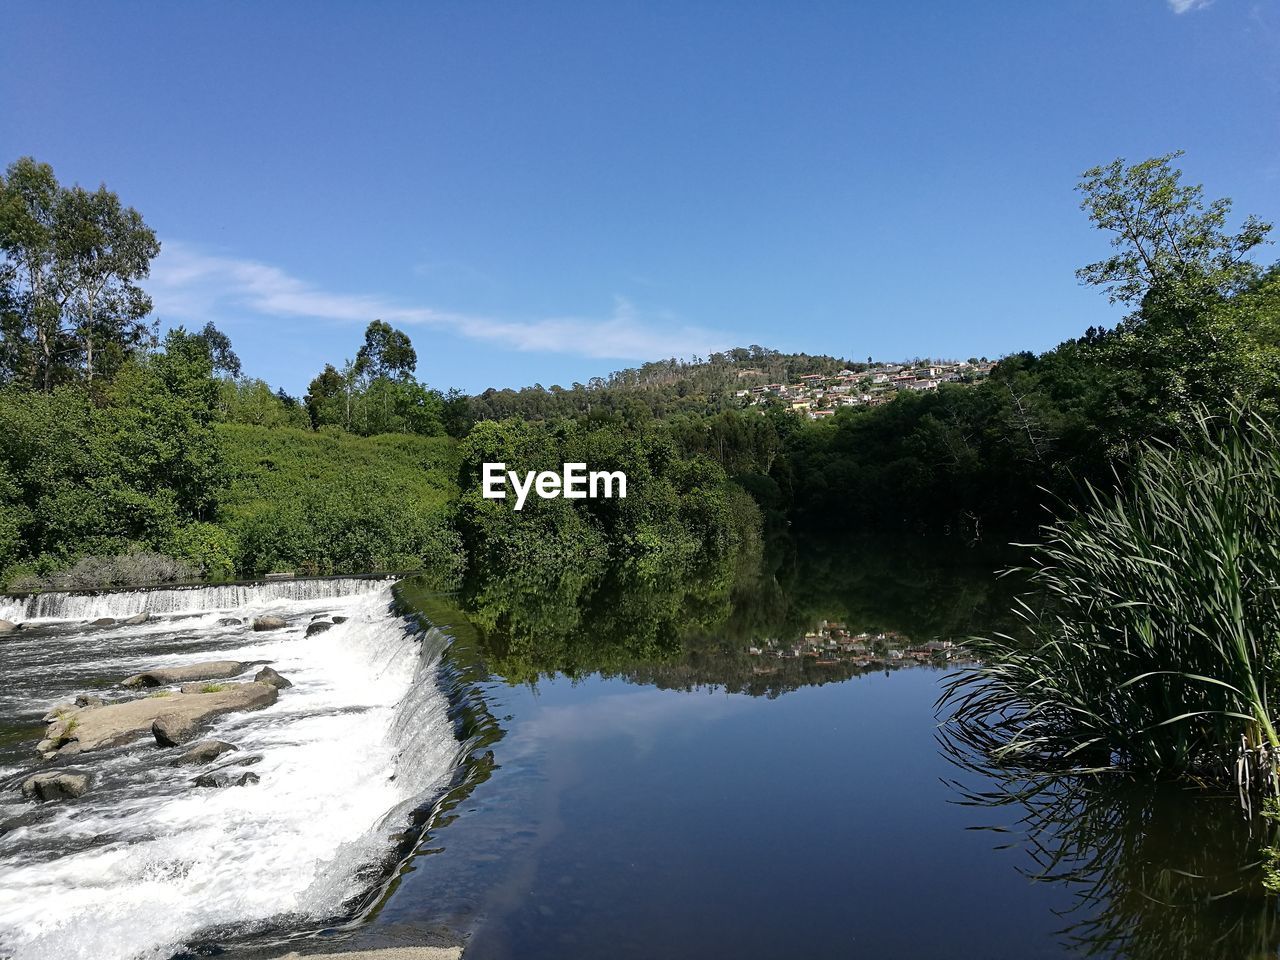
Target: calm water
{"points": [[662, 789], [744, 764]]}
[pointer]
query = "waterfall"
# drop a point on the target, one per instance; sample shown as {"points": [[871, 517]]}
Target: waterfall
{"points": [[125, 603], [147, 864]]}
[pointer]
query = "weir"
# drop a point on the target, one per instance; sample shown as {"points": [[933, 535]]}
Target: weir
{"points": [[125, 603], [146, 863]]}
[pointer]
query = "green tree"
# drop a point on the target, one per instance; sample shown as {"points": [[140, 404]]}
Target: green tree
{"points": [[326, 399], [104, 248], [387, 352], [1167, 241], [70, 299], [223, 358], [33, 300], [1191, 342]]}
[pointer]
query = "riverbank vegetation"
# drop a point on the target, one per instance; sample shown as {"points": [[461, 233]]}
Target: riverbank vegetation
{"points": [[1154, 646]]}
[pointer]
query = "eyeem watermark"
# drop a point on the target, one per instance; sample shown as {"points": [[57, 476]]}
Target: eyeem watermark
{"points": [[575, 483]]}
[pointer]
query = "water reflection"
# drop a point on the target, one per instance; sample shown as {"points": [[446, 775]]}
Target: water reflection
{"points": [[1156, 871], [592, 770], [801, 616]]}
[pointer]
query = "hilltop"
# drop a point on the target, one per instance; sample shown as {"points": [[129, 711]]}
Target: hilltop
{"points": [[721, 381]]}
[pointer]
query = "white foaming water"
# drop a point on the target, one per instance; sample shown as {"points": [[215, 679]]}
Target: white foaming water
{"points": [[125, 603], [146, 862]]}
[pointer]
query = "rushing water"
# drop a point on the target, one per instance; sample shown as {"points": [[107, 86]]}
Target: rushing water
{"points": [[146, 864]]}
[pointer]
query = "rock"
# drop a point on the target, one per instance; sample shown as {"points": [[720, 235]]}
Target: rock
{"points": [[173, 729], [203, 687], [92, 728], [268, 623], [137, 618], [339, 619], [62, 709], [104, 622], [163, 676], [230, 622], [7, 626], [203, 752], [318, 616], [56, 712], [320, 626], [267, 675], [220, 778], [28, 819], [55, 785]]}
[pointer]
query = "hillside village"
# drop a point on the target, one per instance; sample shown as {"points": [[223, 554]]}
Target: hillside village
{"points": [[817, 395], [832, 642]]}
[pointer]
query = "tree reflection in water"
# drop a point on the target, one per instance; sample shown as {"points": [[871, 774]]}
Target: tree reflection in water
{"points": [[689, 628], [1158, 871]]}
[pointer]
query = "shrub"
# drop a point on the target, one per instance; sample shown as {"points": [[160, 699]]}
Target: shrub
{"points": [[1157, 649], [329, 502], [208, 548], [136, 569]]}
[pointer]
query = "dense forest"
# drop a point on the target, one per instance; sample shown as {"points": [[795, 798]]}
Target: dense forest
{"points": [[129, 456]]}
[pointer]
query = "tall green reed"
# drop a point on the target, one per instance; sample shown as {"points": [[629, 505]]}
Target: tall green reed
{"points": [[1154, 643]]}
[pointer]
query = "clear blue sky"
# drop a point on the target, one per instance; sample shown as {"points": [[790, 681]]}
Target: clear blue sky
{"points": [[543, 192]]}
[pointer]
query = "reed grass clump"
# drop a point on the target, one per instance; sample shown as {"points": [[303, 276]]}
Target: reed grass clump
{"points": [[1153, 641]]}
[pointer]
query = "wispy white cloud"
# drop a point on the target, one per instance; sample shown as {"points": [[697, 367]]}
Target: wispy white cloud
{"points": [[643, 715], [1186, 6], [192, 286]]}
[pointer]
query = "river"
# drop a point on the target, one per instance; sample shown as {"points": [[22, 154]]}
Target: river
{"points": [[750, 767]]}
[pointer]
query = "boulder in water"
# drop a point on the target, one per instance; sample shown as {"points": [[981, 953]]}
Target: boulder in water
{"points": [[267, 675], [339, 619], [138, 618], [318, 616], [208, 670], [28, 819], [92, 728], [7, 626], [104, 622], [173, 729], [220, 778], [230, 622], [320, 626], [205, 751], [269, 623], [203, 687], [62, 709], [55, 785]]}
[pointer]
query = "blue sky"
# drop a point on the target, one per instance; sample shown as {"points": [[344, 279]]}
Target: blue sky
{"points": [[544, 192]]}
